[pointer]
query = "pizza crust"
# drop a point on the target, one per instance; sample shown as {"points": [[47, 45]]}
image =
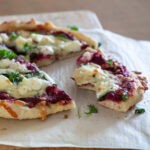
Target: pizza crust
{"points": [[33, 25], [25, 112]]}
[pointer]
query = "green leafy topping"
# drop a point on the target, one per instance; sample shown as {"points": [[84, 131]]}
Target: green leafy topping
{"points": [[124, 96], [13, 35], [14, 77], [101, 98], [4, 53], [55, 84], [115, 68], [62, 35], [92, 109], [73, 28], [99, 44], [35, 74], [35, 33], [79, 114], [139, 111], [27, 47], [110, 61]]}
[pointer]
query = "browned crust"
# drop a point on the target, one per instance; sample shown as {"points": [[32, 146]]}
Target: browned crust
{"points": [[33, 25]]}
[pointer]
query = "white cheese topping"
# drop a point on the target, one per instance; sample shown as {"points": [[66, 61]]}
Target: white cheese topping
{"points": [[20, 42], [46, 44], [11, 64], [27, 88], [102, 80]]}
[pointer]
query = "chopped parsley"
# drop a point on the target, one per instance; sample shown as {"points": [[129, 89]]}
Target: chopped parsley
{"points": [[35, 33], [14, 77], [4, 53], [62, 35], [13, 35], [110, 61], [115, 68], [124, 96], [27, 47], [55, 84], [73, 28], [79, 114], [92, 109], [139, 111], [35, 74], [99, 44]]}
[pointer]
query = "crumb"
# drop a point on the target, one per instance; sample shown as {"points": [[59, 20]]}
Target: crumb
{"points": [[3, 129], [65, 116], [131, 107]]}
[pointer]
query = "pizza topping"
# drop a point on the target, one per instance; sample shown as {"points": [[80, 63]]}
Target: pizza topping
{"points": [[73, 28], [139, 111], [4, 53], [105, 63], [92, 109], [46, 43], [14, 77], [43, 113]]}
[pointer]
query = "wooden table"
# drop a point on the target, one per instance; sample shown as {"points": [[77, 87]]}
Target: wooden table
{"points": [[129, 18]]}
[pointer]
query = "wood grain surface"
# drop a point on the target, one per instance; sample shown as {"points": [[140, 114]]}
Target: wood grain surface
{"points": [[126, 17]]}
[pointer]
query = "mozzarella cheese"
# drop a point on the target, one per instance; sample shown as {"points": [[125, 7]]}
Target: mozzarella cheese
{"points": [[27, 88], [11, 64], [102, 80], [45, 44]]}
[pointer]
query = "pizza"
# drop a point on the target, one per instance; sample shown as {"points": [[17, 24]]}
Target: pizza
{"points": [[42, 43], [116, 87], [27, 92]]}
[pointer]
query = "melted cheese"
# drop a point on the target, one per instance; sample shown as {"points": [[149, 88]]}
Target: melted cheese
{"points": [[46, 44], [12, 65], [27, 88], [102, 80]]}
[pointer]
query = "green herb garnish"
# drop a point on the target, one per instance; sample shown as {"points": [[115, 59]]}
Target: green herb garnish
{"points": [[99, 44], [35, 74], [62, 35], [35, 33], [92, 109], [73, 28], [14, 77], [27, 47], [139, 111], [4, 53], [115, 68], [13, 35], [124, 96], [79, 114], [55, 84], [110, 61]]}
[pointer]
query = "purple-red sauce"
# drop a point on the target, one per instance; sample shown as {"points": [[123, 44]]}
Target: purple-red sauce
{"points": [[127, 86], [99, 59], [36, 57], [51, 96], [28, 65]]}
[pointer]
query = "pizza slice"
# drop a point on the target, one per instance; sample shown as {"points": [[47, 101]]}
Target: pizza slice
{"points": [[42, 43], [26, 92], [115, 86]]}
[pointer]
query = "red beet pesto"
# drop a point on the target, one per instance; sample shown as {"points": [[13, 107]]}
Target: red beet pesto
{"points": [[107, 64], [34, 57], [126, 85], [52, 95]]}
